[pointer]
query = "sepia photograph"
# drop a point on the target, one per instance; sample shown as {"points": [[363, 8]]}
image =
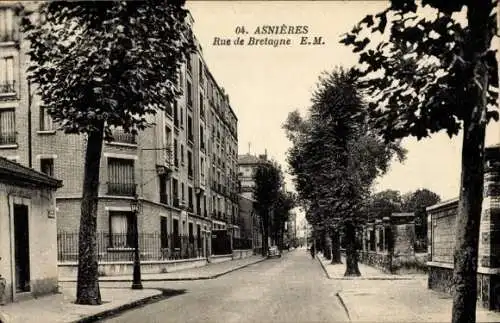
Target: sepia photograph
{"points": [[295, 161]]}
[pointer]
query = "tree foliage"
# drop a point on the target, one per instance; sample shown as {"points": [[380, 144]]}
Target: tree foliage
{"points": [[432, 74], [268, 179], [416, 77], [335, 155], [114, 62]]}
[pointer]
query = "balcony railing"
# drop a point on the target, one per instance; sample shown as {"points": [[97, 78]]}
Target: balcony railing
{"points": [[8, 138], [124, 137], [8, 87], [121, 189]]}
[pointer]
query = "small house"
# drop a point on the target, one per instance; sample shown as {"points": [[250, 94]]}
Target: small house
{"points": [[28, 232]]}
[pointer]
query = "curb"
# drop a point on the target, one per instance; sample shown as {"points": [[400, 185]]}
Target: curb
{"points": [[324, 268], [113, 311], [365, 277], [70, 280]]}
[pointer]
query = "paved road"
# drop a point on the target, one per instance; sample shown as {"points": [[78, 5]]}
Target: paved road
{"points": [[288, 289]]}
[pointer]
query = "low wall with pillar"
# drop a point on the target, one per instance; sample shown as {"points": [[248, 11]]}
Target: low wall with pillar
{"points": [[441, 236], [388, 244]]}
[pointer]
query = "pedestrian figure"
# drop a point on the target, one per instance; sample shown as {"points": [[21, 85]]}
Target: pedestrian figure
{"points": [[312, 251]]}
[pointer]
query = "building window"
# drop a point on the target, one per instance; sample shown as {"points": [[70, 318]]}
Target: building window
{"points": [[182, 118], [198, 235], [190, 199], [190, 164], [164, 232], [200, 71], [188, 64], [6, 24], [163, 189], [176, 154], [182, 193], [182, 154], [202, 138], [46, 123], [121, 229], [7, 83], [175, 231], [121, 179], [169, 108], [175, 192], [202, 166], [190, 128], [189, 95], [47, 166], [190, 232], [202, 107], [176, 115], [7, 127]]}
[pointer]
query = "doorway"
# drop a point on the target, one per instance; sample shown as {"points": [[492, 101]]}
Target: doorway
{"points": [[21, 248]]}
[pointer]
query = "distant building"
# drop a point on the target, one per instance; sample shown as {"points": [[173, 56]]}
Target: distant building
{"points": [[247, 164]]}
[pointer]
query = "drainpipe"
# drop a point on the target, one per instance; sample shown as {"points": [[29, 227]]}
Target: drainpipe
{"points": [[30, 148]]}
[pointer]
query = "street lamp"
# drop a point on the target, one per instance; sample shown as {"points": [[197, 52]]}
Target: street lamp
{"points": [[135, 206]]}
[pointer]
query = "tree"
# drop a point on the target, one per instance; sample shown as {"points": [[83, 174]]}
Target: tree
{"points": [[335, 157], [100, 65], [284, 203], [268, 180], [437, 74], [383, 204]]}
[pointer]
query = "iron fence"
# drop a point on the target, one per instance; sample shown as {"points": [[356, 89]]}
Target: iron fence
{"points": [[119, 247], [239, 243]]}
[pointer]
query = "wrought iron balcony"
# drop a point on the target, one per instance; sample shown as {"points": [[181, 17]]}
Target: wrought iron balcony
{"points": [[8, 87], [8, 138], [121, 189], [121, 136]]}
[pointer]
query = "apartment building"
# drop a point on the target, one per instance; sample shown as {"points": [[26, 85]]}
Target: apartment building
{"points": [[182, 170], [247, 164]]}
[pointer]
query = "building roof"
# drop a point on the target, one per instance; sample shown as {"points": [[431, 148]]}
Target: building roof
{"points": [[443, 204], [12, 172], [402, 214], [248, 159]]}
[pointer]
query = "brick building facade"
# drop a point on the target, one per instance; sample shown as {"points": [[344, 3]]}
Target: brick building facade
{"points": [[183, 169], [441, 236]]}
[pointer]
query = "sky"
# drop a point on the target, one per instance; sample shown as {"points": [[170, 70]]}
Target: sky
{"points": [[265, 83]]}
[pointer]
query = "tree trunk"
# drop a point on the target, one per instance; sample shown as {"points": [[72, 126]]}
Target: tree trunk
{"points": [[87, 288], [472, 178], [336, 259], [352, 268], [328, 246]]}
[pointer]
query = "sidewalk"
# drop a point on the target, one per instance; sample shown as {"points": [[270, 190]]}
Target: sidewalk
{"points": [[61, 308], [209, 271], [380, 297], [336, 272]]}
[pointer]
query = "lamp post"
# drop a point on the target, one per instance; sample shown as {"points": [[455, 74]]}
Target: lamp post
{"points": [[136, 209]]}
